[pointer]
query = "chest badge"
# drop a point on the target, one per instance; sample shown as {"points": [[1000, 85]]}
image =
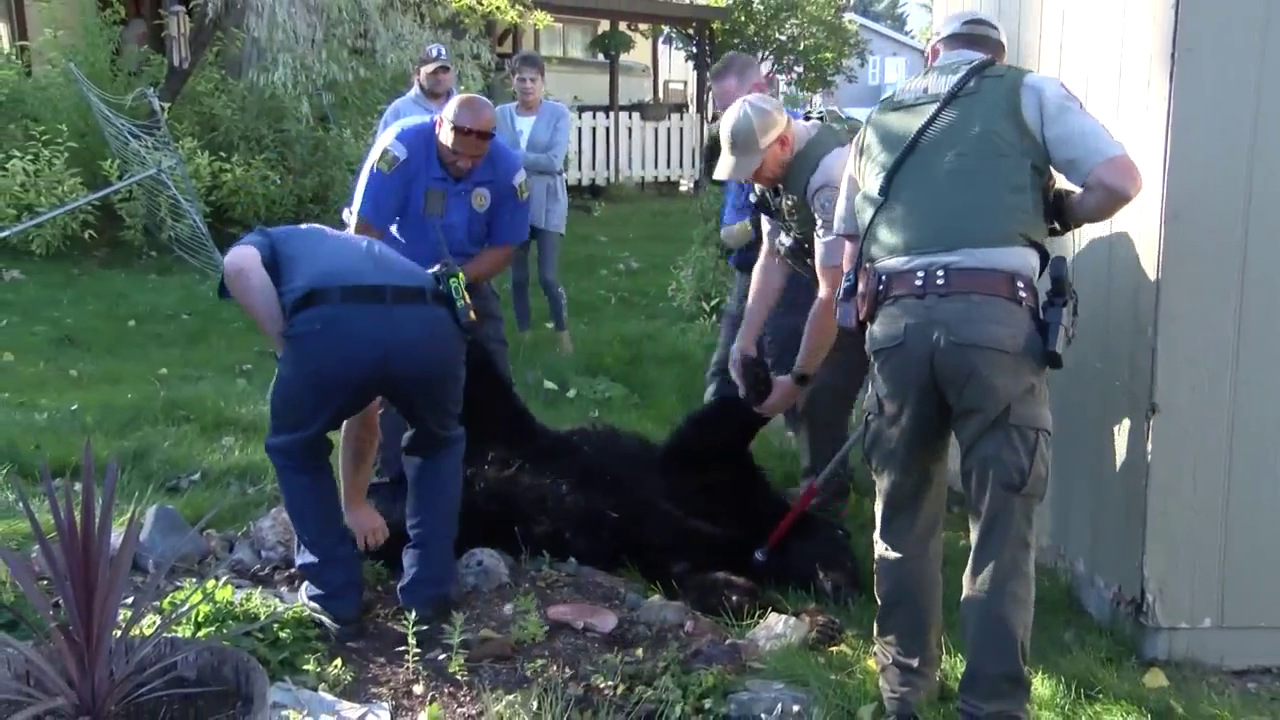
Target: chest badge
{"points": [[480, 199]]}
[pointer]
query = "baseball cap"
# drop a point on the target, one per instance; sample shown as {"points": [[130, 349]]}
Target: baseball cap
{"points": [[435, 56], [747, 128], [971, 22]]}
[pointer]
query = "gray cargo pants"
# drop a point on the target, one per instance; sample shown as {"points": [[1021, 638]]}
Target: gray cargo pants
{"points": [[489, 330], [973, 364]]}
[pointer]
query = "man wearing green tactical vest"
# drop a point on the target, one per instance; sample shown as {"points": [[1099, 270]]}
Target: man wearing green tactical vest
{"points": [[797, 165], [952, 244]]}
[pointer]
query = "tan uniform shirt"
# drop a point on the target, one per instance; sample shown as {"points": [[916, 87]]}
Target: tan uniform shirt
{"points": [[1075, 140], [822, 194]]}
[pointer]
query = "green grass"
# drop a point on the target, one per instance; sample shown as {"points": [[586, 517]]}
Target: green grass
{"points": [[170, 382]]}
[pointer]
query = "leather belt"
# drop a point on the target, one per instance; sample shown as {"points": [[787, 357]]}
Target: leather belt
{"points": [[958, 281], [364, 295]]}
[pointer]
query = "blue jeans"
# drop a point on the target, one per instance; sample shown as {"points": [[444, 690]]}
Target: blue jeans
{"points": [[337, 359], [489, 330]]}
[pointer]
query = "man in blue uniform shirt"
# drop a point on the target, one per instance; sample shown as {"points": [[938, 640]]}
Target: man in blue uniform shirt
{"points": [[443, 184], [352, 321]]}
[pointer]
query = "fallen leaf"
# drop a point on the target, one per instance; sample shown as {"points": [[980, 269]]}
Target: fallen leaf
{"points": [[548, 385], [163, 371], [8, 357], [1155, 679], [73, 373], [132, 323], [7, 275], [573, 392]]}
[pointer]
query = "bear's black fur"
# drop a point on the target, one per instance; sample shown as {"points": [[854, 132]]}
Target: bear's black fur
{"points": [[687, 514]]}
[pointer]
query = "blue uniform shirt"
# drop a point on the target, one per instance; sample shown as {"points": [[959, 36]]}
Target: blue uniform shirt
{"points": [[489, 207], [737, 208], [299, 258]]}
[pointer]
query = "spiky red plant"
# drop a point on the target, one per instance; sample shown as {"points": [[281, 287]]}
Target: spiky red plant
{"points": [[90, 663]]}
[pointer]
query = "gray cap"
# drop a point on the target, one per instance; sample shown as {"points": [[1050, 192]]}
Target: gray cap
{"points": [[747, 128], [970, 22], [435, 56]]}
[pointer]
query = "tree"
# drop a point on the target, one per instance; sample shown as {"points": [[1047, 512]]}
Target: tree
{"points": [[924, 33], [888, 13], [304, 46], [808, 43]]}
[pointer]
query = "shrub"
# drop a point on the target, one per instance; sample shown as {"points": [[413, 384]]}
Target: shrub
{"points": [[39, 176], [701, 274]]}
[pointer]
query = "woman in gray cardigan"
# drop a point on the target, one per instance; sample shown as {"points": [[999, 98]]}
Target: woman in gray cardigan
{"points": [[539, 130]]}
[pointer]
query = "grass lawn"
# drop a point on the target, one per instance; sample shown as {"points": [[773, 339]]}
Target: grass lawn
{"points": [[170, 382]]}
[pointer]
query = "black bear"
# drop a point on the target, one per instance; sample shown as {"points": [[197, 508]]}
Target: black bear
{"points": [[687, 514]]}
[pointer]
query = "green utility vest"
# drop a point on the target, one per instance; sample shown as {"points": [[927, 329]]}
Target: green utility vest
{"points": [[792, 213], [977, 179]]}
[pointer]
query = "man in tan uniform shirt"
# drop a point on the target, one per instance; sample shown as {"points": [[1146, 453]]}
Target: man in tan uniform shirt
{"points": [[955, 343], [804, 161]]}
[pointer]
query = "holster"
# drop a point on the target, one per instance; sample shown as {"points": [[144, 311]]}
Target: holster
{"points": [[868, 297]]}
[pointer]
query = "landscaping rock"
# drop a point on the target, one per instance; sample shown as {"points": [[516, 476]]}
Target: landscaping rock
{"points": [[768, 699], [778, 631], [583, 616], [289, 701], [42, 567], [483, 570], [661, 612], [166, 537], [273, 538]]}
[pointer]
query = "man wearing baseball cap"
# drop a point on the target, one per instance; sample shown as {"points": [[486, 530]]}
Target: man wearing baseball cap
{"points": [[952, 244], [433, 85], [797, 164]]}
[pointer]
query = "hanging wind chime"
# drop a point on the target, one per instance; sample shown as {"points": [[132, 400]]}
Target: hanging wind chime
{"points": [[178, 35]]}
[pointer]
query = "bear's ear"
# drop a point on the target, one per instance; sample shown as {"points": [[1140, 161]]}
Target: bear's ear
{"points": [[726, 426]]}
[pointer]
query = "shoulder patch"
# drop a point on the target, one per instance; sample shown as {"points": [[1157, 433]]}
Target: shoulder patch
{"points": [[391, 156], [521, 183], [824, 202]]}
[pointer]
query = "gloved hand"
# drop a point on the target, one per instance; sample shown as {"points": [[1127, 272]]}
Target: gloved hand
{"points": [[1055, 212]]}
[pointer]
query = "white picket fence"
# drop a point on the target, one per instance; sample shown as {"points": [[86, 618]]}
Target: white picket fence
{"points": [[665, 151]]}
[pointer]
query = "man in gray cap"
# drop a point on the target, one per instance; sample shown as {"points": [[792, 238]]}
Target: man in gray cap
{"points": [[952, 249], [798, 164], [433, 85]]}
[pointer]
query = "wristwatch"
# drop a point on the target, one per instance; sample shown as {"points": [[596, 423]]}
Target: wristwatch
{"points": [[801, 379]]}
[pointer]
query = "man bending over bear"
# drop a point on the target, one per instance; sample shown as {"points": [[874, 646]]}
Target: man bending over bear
{"points": [[347, 317]]}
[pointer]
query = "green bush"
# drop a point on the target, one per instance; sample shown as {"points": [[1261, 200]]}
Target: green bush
{"points": [[701, 275], [255, 155]]}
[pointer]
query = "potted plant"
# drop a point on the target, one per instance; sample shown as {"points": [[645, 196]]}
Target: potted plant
{"points": [[654, 111], [91, 661], [612, 44]]}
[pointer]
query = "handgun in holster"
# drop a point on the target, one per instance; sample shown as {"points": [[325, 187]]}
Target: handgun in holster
{"points": [[1058, 311], [450, 281]]}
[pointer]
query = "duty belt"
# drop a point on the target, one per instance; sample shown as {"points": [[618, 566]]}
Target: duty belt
{"points": [[364, 295], [957, 281]]}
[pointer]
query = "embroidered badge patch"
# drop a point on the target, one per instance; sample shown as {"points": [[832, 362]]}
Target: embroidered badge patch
{"points": [[390, 157], [480, 199]]}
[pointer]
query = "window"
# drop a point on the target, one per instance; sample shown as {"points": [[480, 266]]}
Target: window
{"points": [[895, 70], [873, 70], [567, 39], [8, 25]]}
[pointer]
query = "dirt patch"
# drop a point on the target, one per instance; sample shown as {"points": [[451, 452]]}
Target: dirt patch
{"points": [[501, 644]]}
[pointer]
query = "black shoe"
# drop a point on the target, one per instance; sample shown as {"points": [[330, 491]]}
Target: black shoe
{"points": [[342, 629]]}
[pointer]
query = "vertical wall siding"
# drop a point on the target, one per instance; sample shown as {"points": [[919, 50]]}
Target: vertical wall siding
{"points": [[1115, 56], [1216, 441]]}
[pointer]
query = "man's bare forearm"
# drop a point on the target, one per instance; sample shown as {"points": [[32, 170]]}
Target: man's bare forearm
{"points": [[768, 277], [488, 264], [357, 445], [1112, 185], [249, 283], [819, 334]]}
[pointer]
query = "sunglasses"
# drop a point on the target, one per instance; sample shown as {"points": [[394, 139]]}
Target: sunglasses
{"points": [[464, 131]]}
